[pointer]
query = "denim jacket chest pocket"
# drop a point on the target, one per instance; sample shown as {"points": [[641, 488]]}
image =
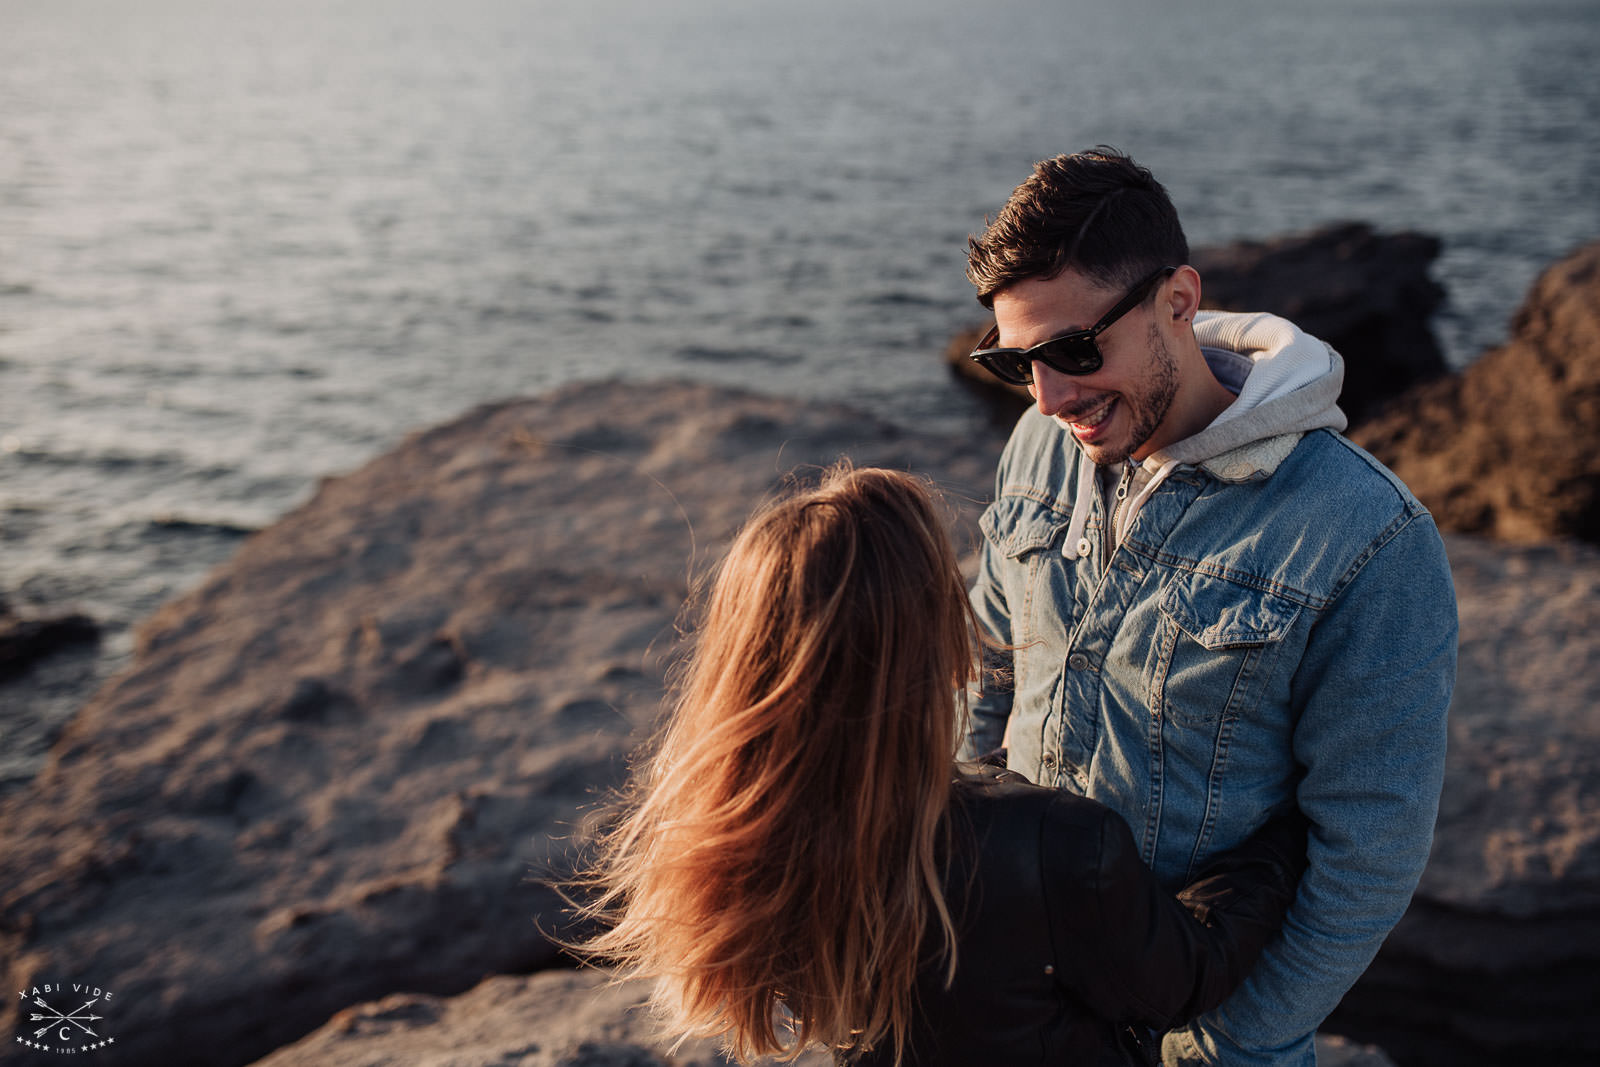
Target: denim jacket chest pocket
{"points": [[1017, 525], [1216, 646], [1027, 534]]}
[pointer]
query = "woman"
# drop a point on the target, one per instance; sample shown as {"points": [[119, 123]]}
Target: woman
{"points": [[799, 862]]}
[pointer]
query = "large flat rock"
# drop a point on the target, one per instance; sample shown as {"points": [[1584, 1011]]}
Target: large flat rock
{"points": [[551, 1019], [557, 1019], [333, 769]]}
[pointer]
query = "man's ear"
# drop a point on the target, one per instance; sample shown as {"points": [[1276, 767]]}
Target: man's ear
{"points": [[1183, 290]]}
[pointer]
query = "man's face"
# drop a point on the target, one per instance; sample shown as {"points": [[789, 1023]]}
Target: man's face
{"points": [[1118, 411]]}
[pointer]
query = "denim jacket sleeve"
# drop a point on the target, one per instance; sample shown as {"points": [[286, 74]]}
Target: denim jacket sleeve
{"points": [[989, 707], [1372, 691]]}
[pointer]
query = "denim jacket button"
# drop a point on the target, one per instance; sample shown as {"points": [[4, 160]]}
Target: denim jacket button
{"points": [[1048, 759], [1078, 661], [1084, 546]]}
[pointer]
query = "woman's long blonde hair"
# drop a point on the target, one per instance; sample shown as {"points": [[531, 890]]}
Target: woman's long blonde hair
{"points": [[776, 861]]}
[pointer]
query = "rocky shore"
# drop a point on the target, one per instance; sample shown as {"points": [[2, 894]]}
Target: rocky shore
{"points": [[1511, 446], [308, 822]]}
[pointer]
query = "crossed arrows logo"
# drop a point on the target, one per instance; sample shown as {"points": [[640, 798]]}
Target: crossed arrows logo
{"points": [[55, 1018]]}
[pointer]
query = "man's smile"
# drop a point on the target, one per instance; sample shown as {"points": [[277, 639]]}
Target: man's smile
{"points": [[1092, 417]]}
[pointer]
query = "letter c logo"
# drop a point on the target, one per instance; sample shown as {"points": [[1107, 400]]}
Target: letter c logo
{"points": [[66, 1034]]}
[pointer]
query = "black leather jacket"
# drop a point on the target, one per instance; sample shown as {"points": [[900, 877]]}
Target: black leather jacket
{"points": [[1069, 951]]}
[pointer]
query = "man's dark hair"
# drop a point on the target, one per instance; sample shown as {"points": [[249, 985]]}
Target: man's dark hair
{"points": [[1096, 212]]}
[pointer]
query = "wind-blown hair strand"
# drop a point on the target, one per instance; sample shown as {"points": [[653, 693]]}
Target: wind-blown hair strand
{"points": [[776, 861]]}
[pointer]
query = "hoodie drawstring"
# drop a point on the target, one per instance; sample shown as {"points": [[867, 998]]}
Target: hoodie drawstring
{"points": [[1082, 503]]}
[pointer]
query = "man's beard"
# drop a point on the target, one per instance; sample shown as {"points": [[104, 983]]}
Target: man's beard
{"points": [[1146, 410]]}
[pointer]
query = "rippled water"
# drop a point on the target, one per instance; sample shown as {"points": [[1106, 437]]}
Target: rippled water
{"points": [[246, 245]]}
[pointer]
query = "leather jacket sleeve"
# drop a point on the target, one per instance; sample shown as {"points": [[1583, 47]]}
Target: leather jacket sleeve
{"points": [[1135, 953]]}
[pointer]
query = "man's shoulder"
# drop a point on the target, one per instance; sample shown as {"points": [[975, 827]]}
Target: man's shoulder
{"points": [[1336, 456], [1325, 511]]}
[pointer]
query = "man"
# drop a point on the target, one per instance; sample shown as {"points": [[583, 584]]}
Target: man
{"points": [[1210, 605]]}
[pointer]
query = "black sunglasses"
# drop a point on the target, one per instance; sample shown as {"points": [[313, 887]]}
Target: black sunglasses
{"points": [[1071, 353]]}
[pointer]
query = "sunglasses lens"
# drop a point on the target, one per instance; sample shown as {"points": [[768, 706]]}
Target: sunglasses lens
{"points": [[1069, 355], [1073, 354], [1008, 367]]}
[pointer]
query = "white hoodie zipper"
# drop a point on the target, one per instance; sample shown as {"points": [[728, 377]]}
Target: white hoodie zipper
{"points": [[1119, 496]]}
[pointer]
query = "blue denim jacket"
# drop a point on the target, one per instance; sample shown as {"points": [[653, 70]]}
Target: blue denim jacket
{"points": [[1278, 627]]}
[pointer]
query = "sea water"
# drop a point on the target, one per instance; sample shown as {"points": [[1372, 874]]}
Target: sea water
{"points": [[244, 246]]}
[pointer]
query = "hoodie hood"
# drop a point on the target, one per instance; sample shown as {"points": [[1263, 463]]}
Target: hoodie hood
{"points": [[1286, 383]]}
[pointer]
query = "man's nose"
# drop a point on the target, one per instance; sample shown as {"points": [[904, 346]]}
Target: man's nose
{"points": [[1053, 390]]}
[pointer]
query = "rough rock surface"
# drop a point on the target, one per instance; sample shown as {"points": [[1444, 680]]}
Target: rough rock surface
{"points": [[1510, 447], [1367, 294], [44, 663], [554, 1019], [331, 769], [1497, 961], [25, 641]]}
